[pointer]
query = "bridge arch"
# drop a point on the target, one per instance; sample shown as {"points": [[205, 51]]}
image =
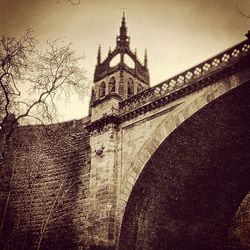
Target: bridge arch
{"points": [[171, 122], [165, 130]]}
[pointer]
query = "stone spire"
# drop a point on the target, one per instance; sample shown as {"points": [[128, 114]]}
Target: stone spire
{"points": [[123, 39], [123, 28], [99, 55]]}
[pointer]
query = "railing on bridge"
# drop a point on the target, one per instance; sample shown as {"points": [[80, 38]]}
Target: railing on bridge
{"points": [[186, 78]]}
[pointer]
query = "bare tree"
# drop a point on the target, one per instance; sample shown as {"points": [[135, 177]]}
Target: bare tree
{"points": [[31, 81], [30, 84]]}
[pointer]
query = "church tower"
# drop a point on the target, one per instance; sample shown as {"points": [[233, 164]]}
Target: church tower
{"points": [[115, 80], [121, 74]]}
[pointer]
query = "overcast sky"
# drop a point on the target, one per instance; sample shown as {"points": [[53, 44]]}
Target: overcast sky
{"points": [[177, 33]]}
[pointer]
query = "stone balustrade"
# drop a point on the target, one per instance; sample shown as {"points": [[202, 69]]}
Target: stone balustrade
{"points": [[177, 85]]}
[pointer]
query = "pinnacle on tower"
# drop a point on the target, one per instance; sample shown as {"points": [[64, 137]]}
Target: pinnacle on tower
{"points": [[99, 54], [145, 59]]}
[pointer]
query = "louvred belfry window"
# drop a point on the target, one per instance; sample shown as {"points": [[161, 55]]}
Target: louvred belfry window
{"points": [[112, 85], [102, 89]]}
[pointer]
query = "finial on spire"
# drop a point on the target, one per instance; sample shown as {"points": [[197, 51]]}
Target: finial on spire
{"points": [[99, 54], [145, 58], [123, 20]]}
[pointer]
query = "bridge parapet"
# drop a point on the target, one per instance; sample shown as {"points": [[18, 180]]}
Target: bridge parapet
{"points": [[188, 81]]}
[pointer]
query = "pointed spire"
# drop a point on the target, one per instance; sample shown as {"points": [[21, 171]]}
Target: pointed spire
{"points": [[123, 28], [99, 54], [123, 39], [109, 50], [123, 16], [145, 59], [123, 20]]}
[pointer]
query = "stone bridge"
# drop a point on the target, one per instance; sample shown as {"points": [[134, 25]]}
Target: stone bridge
{"points": [[161, 146], [166, 168]]}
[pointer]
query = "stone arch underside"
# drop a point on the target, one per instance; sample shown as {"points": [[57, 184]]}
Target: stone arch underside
{"points": [[190, 188]]}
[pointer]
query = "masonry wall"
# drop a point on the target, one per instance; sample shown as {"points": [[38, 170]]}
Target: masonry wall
{"points": [[47, 171]]}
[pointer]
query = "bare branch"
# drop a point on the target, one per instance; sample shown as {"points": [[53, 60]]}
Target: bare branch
{"points": [[74, 2], [56, 73], [30, 84], [7, 200], [46, 221], [241, 12]]}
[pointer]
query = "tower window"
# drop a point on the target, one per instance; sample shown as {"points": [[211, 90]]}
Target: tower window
{"points": [[102, 89], [130, 87], [112, 85]]}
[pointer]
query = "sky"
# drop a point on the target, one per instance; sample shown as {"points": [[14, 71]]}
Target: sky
{"points": [[178, 34]]}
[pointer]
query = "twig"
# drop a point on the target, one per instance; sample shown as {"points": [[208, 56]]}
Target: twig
{"points": [[45, 223], [241, 12]]}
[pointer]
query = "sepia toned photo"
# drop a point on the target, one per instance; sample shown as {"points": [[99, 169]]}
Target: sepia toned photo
{"points": [[124, 125]]}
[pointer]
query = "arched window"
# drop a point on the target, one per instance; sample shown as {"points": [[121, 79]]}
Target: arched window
{"points": [[112, 85], [139, 88], [102, 89], [130, 87]]}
